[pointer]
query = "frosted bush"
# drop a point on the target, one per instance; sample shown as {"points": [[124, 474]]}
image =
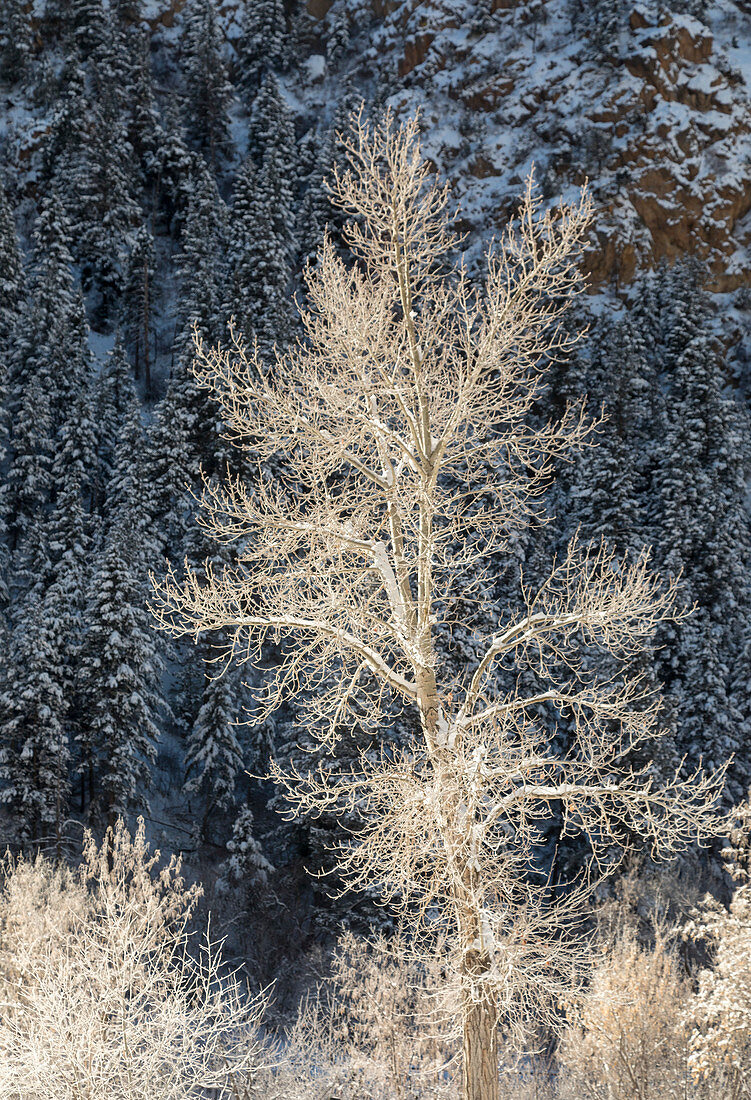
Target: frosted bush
{"points": [[628, 1038], [376, 1030], [102, 997], [720, 1043]]}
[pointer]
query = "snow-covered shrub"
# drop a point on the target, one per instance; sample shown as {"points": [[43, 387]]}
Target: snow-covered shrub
{"points": [[628, 1038], [720, 1042], [102, 998], [377, 1029]]}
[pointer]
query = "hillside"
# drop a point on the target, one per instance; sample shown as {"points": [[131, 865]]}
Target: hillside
{"points": [[163, 166]]}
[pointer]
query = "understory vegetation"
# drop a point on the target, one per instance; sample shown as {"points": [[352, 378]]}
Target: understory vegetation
{"points": [[111, 990]]}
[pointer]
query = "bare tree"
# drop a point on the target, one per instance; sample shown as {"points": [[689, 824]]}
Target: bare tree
{"points": [[404, 418]]}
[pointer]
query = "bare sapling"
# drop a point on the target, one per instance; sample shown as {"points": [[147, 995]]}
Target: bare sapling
{"points": [[403, 419]]}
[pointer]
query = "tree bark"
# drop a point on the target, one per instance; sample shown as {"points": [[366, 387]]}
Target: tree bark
{"points": [[479, 1053]]}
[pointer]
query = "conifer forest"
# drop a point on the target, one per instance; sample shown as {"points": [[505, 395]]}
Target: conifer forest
{"points": [[375, 549]]}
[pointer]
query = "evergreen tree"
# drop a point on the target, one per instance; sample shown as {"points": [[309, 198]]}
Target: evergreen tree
{"points": [[260, 275], [246, 865], [15, 40], [202, 308], [120, 670], [208, 91], [337, 40], [175, 167], [113, 400], [107, 209], [84, 24], [170, 471], [213, 758], [29, 481], [34, 752], [701, 526], [11, 304], [262, 44], [711, 726], [66, 137], [51, 263], [271, 141], [144, 128], [137, 302]]}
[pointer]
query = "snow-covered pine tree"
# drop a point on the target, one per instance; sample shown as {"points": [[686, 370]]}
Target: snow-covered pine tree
{"points": [[107, 208], [15, 40], [324, 152], [246, 865], [66, 136], [174, 167], [144, 126], [202, 268], [600, 493], [29, 479], [262, 44], [83, 23], [126, 488], [208, 91], [170, 467], [272, 143], [213, 756], [42, 339], [71, 536], [11, 305], [137, 302], [113, 398], [701, 526], [712, 726], [34, 752], [120, 676], [337, 39], [260, 274], [51, 263]]}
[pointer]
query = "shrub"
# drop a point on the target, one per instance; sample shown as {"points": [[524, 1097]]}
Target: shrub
{"points": [[102, 997]]}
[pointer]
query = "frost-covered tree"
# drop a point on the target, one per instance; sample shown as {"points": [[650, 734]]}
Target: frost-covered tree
{"points": [[12, 291], [701, 526], [120, 659], [272, 143], [66, 136], [202, 307], [84, 24], [175, 167], [337, 39], [246, 865], [410, 383], [208, 91], [113, 401], [719, 1014], [107, 207], [171, 472]]}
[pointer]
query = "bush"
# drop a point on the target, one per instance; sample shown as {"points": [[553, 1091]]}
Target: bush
{"points": [[102, 998], [628, 1039], [377, 1029], [720, 1043]]}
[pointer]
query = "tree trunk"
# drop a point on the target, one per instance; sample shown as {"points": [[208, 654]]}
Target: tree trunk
{"points": [[479, 1053]]}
